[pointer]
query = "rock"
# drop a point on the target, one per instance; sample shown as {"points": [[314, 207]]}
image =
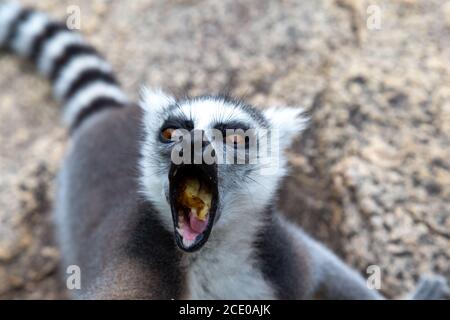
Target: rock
{"points": [[371, 174]]}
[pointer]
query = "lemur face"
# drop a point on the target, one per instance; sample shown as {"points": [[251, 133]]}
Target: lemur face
{"points": [[211, 162]]}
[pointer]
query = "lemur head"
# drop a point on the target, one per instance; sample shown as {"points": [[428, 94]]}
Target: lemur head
{"points": [[212, 161]]}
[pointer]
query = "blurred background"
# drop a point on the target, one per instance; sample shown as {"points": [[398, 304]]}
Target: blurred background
{"points": [[370, 177]]}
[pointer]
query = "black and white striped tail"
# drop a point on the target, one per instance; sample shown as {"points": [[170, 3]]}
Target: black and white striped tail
{"points": [[82, 81]]}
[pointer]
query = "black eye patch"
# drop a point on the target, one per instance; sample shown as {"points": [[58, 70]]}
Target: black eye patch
{"points": [[175, 123], [178, 123], [228, 128], [232, 125]]}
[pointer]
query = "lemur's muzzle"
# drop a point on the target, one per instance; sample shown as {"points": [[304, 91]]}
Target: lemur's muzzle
{"points": [[193, 195]]}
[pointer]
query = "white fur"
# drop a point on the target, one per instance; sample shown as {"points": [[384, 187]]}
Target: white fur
{"points": [[54, 47], [155, 100], [27, 31], [204, 112], [226, 267], [76, 66], [85, 96], [8, 12], [289, 122]]}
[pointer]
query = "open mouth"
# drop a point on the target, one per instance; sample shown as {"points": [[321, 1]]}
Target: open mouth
{"points": [[193, 200]]}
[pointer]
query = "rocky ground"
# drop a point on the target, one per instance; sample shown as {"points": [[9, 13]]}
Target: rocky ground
{"points": [[371, 176]]}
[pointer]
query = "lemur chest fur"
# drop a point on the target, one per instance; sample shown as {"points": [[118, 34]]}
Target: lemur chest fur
{"points": [[227, 271]]}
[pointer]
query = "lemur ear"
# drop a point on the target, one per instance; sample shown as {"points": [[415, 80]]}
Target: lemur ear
{"points": [[288, 121], [154, 100]]}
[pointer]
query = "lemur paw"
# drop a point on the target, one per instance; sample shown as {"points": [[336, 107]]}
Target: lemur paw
{"points": [[432, 287]]}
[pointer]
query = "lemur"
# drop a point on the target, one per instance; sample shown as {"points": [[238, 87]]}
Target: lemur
{"points": [[118, 211]]}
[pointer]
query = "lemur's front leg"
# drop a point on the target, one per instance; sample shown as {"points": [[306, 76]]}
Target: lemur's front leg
{"points": [[333, 279]]}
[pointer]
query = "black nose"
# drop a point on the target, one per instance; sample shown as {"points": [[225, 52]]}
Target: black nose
{"points": [[196, 149], [199, 144]]}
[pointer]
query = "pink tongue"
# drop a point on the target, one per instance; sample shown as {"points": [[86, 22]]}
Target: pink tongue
{"points": [[196, 224]]}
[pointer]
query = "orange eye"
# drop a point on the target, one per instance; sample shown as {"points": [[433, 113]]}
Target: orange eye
{"points": [[235, 139], [167, 133]]}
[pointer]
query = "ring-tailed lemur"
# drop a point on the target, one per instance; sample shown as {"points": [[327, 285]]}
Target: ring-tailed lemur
{"points": [[118, 209]]}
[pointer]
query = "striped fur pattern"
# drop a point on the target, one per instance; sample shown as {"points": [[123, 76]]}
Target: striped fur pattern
{"points": [[83, 82]]}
